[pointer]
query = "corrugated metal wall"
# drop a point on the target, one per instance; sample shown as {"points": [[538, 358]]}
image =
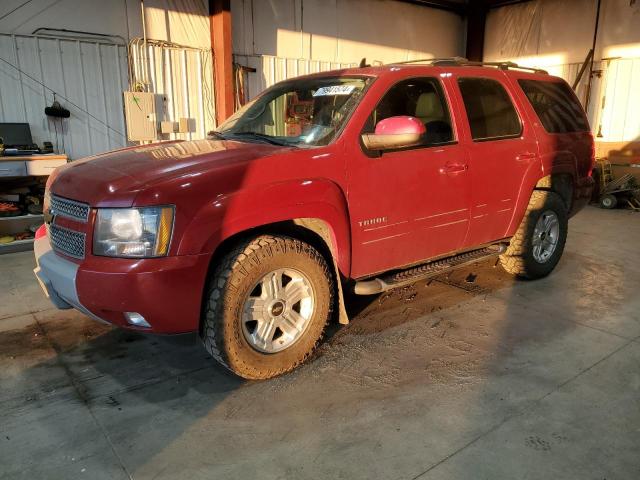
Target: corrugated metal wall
{"points": [[270, 70], [185, 76], [89, 74]]}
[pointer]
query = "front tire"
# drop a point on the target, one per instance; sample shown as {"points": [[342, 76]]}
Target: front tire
{"points": [[267, 306], [537, 246]]}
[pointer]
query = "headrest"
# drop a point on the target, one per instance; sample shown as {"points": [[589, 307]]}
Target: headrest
{"points": [[429, 105]]}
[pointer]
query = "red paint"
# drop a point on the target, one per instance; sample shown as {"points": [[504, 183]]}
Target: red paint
{"points": [[382, 212], [41, 232], [162, 290]]}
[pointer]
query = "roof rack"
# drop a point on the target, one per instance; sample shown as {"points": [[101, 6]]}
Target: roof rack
{"points": [[463, 62]]}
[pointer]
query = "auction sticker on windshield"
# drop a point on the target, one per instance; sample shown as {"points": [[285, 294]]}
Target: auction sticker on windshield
{"points": [[334, 90]]}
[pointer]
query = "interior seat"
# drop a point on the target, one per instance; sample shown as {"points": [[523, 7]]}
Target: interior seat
{"points": [[430, 112], [429, 108]]}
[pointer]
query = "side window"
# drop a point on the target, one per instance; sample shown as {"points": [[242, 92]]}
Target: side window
{"points": [[489, 109], [555, 105], [421, 98]]}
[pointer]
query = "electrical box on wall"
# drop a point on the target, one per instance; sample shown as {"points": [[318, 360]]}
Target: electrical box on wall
{"points": [[143, 113], [168, 127], [183, 125], [186, 125]]}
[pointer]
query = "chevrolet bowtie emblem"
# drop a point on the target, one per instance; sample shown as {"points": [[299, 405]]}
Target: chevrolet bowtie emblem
{"points": [[49, 216]]}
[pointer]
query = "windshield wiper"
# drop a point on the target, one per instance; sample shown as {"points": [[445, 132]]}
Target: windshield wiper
{"points": [[264, 137], [217, 135]]}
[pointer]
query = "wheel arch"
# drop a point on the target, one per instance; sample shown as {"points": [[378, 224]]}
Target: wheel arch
{"points": [[314, 231], [560, 183], [320, 201]]}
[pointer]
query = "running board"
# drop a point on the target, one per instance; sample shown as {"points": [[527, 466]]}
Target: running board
{"points": [[426, 270]]}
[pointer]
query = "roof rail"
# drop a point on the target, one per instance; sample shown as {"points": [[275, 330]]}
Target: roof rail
{"points": [[431, 60], [462, 62]]}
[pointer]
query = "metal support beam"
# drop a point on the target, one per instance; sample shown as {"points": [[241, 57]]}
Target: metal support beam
{"points": [[448, 5], [461, 7], [476, 19], [222, 47]]}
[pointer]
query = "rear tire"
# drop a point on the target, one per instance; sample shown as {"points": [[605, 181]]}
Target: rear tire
{"points": [[267, 306], [537, 246]]}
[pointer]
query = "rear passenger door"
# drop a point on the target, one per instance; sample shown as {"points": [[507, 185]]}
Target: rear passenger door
{"points": [[501, 149]]}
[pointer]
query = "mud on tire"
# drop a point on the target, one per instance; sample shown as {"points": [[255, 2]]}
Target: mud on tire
{"points": [[519, 258], [231, 283]]}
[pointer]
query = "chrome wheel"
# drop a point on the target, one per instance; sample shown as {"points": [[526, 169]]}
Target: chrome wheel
{"points": [[278, 310], [545, 236]]}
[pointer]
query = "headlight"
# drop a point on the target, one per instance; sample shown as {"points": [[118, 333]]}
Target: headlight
{"points": [[133, 232]]}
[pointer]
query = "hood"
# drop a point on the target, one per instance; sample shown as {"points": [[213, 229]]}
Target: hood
{"points": [[115, 178]]}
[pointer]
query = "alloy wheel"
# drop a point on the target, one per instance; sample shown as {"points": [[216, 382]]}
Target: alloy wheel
{"points": [[278, 310], [545, 236]]}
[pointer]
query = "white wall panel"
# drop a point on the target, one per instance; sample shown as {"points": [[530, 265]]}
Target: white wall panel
{"points": [[561, 32], [87, 77], [270, 70], [344, 30], [185, 77], [180, 21], [620, 102]]}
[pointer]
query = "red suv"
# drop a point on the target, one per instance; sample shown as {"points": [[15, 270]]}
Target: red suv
{"points": [[363, 179]]}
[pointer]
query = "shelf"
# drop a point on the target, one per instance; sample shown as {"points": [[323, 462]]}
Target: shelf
{"points": [[16, 246], [21, 217]]}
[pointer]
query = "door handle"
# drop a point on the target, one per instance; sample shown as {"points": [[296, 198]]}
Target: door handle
{"points": [[523, 157], [453, 168]]}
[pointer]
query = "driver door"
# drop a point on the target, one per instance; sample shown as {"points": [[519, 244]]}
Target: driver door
{"points": [[411, 204]]}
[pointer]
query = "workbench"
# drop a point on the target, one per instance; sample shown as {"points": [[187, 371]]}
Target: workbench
{"points": [[28, 168]]}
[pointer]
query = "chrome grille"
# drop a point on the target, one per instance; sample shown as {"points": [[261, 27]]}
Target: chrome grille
{"points": [[67, 241], [69, 208]]}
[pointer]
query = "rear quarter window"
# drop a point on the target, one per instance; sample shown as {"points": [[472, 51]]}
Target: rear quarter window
{"points": [[555, 105], [490, 112]]}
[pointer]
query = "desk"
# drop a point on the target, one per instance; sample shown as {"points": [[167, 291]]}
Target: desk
{"points": [[34, 158], [30, 165], [22, 169]]}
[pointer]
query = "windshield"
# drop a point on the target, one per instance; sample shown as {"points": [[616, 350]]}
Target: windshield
{"points": [[305, 112]]}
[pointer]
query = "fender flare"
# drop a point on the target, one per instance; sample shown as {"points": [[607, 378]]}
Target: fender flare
{"points": [[315, 205], [540, 178], [561, 182]]}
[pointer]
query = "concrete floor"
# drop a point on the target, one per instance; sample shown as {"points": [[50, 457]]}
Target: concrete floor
{"points": [[490, 379]]}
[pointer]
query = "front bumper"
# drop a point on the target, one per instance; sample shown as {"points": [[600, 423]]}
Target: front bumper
{"points": [[57, 277], [167, 292]]}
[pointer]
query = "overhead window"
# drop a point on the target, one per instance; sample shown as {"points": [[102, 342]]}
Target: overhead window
{"points": [[555, 105], [421, 98], [490, 112]]}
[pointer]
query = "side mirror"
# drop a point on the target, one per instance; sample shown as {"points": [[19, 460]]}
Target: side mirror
{"points": [[395, 132]]}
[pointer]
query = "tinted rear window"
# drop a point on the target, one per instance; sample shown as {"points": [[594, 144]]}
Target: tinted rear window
{"points": [[556, 106], [489, 109]]}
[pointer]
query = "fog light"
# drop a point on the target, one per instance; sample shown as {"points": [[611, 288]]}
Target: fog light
{"points": [[136, 319]]}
